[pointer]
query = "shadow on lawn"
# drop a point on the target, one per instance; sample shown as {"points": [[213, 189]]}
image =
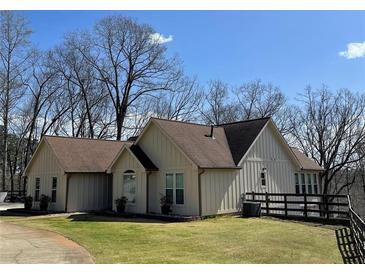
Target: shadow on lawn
{"points": [[89, 217], [346, 245]]}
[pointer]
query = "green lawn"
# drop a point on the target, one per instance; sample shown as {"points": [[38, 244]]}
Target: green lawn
{"points": [[217, 240]]}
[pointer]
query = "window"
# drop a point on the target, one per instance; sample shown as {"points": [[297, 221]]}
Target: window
{"points": [[37, 189], [54, 189], [170, 187], [309, 176], [303, 182], [129, 186], [315, 184], [175, 188], [297, 186], [179, 188], [263, 177]]}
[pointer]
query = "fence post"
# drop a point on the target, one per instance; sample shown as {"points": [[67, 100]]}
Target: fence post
{"points": [[253, 196], [286, 205], [326, 206], [267, 203], [305, 206]]}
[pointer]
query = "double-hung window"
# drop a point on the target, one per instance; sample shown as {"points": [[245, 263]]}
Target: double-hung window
{"points": [[303, 182], [175, 188], [37, 189], [129, 186], [54, 190], [170, 187], [315, 183], [297, 186], [309, 176], [263, 178]]}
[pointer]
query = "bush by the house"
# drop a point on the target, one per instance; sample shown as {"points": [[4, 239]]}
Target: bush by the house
{"points": [[44, 202], [165, 205], [28, 202], [120, 203]]}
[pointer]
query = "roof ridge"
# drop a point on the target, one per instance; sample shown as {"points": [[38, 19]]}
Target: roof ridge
{"points": [[182, 122], [244, 121], [84, 138]]}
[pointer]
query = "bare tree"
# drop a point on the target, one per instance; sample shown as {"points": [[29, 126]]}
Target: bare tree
{"points": [[257, 100], [129, 61], [329, 127], [217, 108], [14, 41]]}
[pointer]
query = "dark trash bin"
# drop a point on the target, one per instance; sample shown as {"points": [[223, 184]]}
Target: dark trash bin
{"points": [[251, 209]]}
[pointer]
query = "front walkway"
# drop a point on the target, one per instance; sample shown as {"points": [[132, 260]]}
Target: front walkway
{"points": [[20, 244]]}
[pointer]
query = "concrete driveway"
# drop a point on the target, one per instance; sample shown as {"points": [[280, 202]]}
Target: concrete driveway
{"points": [[20, 244]]}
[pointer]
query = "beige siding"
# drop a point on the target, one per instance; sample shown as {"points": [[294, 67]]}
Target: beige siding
{"points": [[90, 191], [169, 159], [220, 191], [268, 152], [127, 162], [45, 166]]}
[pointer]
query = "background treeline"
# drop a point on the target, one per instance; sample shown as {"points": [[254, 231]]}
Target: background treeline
{"points": [[107, 81]]}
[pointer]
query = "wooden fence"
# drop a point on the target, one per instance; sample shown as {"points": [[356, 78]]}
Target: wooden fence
{"points": [[305, 206], [357, 226]]}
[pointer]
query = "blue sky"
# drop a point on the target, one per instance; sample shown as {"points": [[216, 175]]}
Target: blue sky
{"points": [[291, 49]]}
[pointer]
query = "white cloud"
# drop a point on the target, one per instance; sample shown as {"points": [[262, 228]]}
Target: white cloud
{"points": [[160, 38], [354, 50]]}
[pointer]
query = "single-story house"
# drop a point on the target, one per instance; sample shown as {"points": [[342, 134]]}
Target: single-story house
{"points": [[202, 169]]}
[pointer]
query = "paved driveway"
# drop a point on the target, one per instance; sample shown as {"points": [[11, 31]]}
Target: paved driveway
{"points": [[20, 244]]}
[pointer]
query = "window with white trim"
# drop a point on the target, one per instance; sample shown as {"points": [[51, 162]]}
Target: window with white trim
{"points": [[263, 177], [297, 185], [37, 189], [179, 188], [169, 190], [309, 182], [315, 184], [129, 186], [54, 190], [303, 182], [174, 189]]}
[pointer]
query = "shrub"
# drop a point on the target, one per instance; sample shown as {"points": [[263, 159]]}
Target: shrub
{"points": [[28, 202], [43, 202], [120, 203], [165, 205]]}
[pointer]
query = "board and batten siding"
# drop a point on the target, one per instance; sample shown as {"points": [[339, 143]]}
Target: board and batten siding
{"points": [[89, 191], [127, 162], [45, 166], [169, 159], [220, 191], [268, 152]]}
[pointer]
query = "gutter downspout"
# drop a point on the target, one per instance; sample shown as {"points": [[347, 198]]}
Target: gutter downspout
{"points": [[147, 190], [67, 187], [200, 191]]}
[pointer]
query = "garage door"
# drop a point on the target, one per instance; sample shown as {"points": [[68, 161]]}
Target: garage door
{"points": [[88, 192]]}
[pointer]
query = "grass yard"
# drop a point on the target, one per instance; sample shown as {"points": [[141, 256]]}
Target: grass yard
{"points": [[217, 240]]}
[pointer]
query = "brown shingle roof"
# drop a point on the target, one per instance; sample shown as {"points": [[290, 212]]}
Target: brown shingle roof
{"points": [[84, 155], [240, 135], [306, 162], [204, 151]]}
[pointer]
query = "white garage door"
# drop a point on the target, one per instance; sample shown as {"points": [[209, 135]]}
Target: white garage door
{"points": [[89, 192]]}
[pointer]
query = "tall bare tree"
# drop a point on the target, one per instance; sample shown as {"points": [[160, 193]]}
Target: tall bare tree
{"points": [[217, 107], [329, 127], [130, 63], [14, 42]]}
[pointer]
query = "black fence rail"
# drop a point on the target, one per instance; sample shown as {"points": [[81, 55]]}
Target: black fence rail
{"points": [[304, 206], [357, 227]]}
